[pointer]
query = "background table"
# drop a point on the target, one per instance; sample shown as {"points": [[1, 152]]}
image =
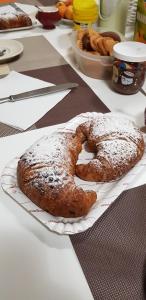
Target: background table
{"points": [[36, 263]]}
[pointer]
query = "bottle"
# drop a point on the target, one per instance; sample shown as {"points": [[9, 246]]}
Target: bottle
{"points": [[140, 25], [113, 14], [85, 13]]}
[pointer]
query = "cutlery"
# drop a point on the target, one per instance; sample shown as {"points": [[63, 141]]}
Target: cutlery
{"points": [[38, 7], [39, 92]]}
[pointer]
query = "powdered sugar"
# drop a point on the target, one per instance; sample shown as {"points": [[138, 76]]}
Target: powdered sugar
{"points": [[117, 152], [110, 124], [48, 157], [9, 12]]}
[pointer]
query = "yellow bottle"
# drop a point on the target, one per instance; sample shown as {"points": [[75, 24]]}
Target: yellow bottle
{"points": [[85, 13]]}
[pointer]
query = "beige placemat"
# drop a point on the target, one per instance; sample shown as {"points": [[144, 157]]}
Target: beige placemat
{"points": [[38, 53]]}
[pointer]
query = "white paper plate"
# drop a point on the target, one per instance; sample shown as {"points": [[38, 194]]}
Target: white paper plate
{"points": [[35, 23], [106, 194], [12, 48]]}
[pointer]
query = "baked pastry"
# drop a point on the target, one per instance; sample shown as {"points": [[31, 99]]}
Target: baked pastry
{"points": [[95, 42], [46, 175], [46, 170], [117, 143], [14, 20]]}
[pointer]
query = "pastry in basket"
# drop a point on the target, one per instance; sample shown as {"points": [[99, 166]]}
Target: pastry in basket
{"points": [[46, 170]]}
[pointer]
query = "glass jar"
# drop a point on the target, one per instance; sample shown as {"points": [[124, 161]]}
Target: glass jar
{"points": [[128, 67]]}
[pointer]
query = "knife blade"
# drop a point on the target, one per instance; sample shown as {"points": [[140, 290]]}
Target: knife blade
{"points": [[39, 92]]}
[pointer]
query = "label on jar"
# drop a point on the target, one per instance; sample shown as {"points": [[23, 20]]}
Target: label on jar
{"points": [[123, 73], [140, 25], [127, 77]]}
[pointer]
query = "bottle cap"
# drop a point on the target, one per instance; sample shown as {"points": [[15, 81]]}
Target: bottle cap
{"points": [[85, 11], [130, 51]]}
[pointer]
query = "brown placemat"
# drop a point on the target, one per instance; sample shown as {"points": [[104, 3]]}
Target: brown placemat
{"points": [[112, 253], [38, 53], [79, 100]]}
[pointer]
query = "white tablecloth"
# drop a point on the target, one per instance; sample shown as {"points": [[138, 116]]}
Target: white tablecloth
{"points": [[35, 263]]}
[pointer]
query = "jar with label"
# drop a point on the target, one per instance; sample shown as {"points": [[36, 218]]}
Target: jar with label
{"points": [[128, 67]]}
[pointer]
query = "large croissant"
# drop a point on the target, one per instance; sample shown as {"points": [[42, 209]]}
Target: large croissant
{"points": [[46, 170], [118, 145], [46, 175]]}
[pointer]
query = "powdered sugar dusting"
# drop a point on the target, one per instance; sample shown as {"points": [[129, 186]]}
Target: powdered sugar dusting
{"points": [[49, 156], [117, 143], [110, 124], [117, 151], [9, 12]]}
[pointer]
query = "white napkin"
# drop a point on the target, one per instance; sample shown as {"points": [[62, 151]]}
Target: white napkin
{"points": [[23, 114]]}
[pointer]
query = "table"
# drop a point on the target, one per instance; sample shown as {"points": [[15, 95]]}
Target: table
{"points": [[36, 263]]}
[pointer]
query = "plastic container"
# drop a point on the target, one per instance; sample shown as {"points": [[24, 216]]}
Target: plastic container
{"points": [[99, 67], [128, 67], [85, 13]]}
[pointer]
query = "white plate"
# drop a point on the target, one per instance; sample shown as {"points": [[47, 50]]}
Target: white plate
{"points": [[12, 48], [106, 193], [35, 23]]}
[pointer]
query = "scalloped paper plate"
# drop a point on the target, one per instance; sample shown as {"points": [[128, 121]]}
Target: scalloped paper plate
{"points": [[106, 193]]}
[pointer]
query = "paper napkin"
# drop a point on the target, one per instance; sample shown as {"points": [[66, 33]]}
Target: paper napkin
{"points": [[22, 114]]}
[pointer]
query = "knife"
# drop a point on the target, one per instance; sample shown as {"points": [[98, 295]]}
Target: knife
{"points": [[39, 92]]}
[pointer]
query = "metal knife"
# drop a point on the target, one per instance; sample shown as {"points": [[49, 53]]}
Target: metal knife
{"points": [[39, 92]]}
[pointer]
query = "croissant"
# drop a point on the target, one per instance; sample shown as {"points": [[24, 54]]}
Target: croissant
{"points": [[118, 145], [46, 170], [46, 175], [14, 20]]}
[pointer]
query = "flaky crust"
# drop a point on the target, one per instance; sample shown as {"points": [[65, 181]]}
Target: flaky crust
{"points": [[46, 175], [118, 145], [94, 42], [46, 171], [14, 20]]}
